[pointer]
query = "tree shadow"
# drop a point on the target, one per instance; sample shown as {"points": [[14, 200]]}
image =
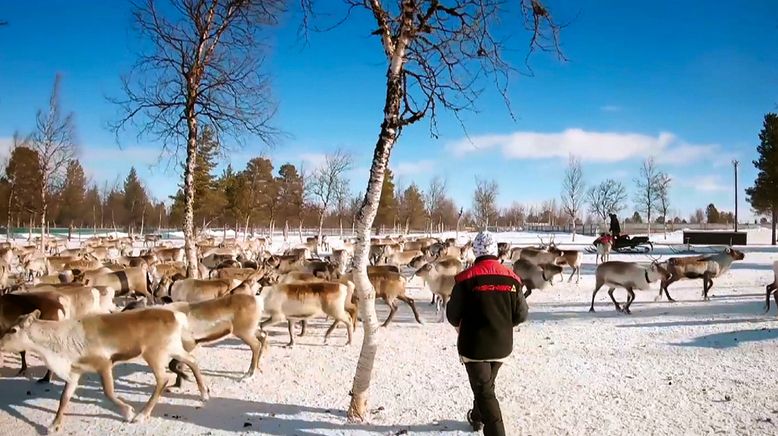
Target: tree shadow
{"points": [[233, 415], [694, 323], [220, 414], [731, 339], [728, 305], [752, 266]]}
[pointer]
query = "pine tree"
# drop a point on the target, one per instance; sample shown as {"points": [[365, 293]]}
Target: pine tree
{"points": [[260, 189], [712, 214], [209, 200], [71, 204], [412, 212], [387, 204], [24, 177], [90, 214], [135, 201], [763, 196], [290, 191]]}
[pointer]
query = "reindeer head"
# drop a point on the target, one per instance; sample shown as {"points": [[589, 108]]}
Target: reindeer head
{"points": [[735, 254], [16, 338]]}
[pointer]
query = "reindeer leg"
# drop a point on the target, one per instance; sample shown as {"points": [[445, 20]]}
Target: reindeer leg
{"points": [[775, 294], [664, 285], [175, 367], [409, 301], [615, 303], [392, 310], [255, 345], [303, 324], [444, 305], [769, 290], [707, 284], [290, 324], [630, 299], [594, 294], [106, 376], [46, 378], [67, 393], [23, 356]]}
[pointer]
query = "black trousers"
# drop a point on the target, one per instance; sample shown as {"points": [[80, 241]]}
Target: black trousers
{"points": [[486, 408]]}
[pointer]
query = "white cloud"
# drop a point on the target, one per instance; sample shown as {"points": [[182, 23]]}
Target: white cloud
{"points": [[611, 108], [135, 155], [706, 184], [413, 168], [590, 146]]}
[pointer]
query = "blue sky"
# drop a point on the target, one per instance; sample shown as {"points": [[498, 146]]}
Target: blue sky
{"points": [[687, 83]]}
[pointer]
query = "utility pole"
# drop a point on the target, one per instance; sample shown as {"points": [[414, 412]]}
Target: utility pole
{"points": [[735, 164]]}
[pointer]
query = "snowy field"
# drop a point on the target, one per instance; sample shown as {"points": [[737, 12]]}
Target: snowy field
{"points": [[689, 367]]}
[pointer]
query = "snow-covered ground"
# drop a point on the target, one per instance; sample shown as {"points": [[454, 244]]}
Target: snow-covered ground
{"points": [[689, 367]]}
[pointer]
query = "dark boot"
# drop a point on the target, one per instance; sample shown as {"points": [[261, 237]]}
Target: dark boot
{"points": [[474, 420]]}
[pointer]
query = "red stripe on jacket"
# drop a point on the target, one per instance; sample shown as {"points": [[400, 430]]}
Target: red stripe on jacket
{"points": [[486, 267]]}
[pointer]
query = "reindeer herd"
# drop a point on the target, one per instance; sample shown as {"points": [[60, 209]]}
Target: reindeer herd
{"points": [[86, 309]]}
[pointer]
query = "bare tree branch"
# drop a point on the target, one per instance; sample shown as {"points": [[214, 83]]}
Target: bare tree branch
{"points": [[573, 189], [327, 183], [202, 65], [54, 140], [606, 198]]}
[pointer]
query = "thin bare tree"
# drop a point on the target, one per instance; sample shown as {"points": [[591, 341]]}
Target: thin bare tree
{"points": [[573, 190], [606, 198], [55, 141], [647, 190], [436, 192], [485, 202], [328, 183], [202, 67], [664, 181], [436, 56]]}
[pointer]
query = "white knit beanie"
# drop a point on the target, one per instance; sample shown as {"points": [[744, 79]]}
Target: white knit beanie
{"points": [[484, 244]]}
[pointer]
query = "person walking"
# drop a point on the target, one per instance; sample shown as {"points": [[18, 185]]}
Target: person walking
{"points": [[615, 228], [484, 308]]}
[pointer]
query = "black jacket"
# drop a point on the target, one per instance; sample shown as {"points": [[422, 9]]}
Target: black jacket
{"points": [[486, 304], [615, 228]]}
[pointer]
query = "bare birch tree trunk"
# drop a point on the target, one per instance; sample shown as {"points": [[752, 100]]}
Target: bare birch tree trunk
{"points": [[44, 206], [8, 215], [367, 212], [190, 248], [143, 220], [358, 408], [321, 225]]}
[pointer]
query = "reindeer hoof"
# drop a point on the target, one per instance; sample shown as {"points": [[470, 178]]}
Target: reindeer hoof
{"points": [[128, 412], [139, 418], [205, 396], [591, 309], [55, 427]]}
